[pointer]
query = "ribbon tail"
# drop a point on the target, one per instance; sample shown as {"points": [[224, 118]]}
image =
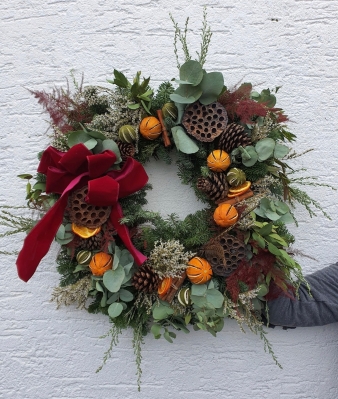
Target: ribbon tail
{"points": [[123, 232], [39, 240]]}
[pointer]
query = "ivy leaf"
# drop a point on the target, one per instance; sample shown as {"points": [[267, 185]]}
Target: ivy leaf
{"points": [[182, 141], [115, 309]]}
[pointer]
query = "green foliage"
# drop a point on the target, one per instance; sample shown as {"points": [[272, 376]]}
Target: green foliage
{"points": [[182, 37], [255, 172], [66, 267], [139, 92], [162, 95], [191, 232], [196, 84]]}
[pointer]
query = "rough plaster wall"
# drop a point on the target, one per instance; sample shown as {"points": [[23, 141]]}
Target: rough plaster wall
{"points": [[291, 43]]}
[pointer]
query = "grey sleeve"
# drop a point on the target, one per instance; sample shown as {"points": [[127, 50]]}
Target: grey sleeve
{"points": [[319, 309]]}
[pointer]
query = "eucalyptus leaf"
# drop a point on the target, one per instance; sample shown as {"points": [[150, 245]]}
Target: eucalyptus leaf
{"points": [[161, 311], [265, 148], [99, 287], [113, 298], [115, 309], [61, 232], [77, 137], [182, 141], [215, 298], [180, 112], [272, 215], [191, 72], [156, 330], [112, 279], [249, 155], [199, 301], [117, 255], [186, 94], [287, 218], [90, 144], [103, 302], [212, 85], [167, 337], [126, 295], [198, 289], [280, 151]]}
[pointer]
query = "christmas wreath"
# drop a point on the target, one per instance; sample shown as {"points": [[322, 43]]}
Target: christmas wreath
{"points": [[153, 273]]}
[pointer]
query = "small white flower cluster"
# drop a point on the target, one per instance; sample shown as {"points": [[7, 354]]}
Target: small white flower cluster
{"points": [[169, 258]]}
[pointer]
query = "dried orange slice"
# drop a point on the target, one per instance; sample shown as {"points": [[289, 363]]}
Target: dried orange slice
{"points": [[239, 190], [85, 232], [164, 286]]}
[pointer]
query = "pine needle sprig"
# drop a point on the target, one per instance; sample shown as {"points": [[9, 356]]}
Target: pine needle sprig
{"points": [[182, 37], [206, 38], [137, 345], [15, 223], [114, 333]]}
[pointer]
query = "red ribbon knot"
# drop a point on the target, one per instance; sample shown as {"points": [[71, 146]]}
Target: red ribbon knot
{"points": [[73, 169]]}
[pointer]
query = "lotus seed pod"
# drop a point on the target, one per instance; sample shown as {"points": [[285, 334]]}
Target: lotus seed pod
{"points": [[83, 257], [127, 133], [236, 177], [169, 110], [184, 296]]}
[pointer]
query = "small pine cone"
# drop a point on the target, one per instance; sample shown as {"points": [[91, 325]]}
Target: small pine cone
{"points": [[93, 243], [233, 137], [215, 186], [126, 149], [145, 279]]}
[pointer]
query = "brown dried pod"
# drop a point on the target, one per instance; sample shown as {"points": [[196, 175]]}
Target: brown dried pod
{"points": [[224, 254], [205, 122], [83, 214]]}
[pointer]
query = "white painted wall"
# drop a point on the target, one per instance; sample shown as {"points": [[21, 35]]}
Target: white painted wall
{"points": [[47, 353]]}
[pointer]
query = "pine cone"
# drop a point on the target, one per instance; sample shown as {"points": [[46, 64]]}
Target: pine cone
{"points": [[215, 186], [93, 243], [233, 137], [126, 149], [145, 279]]}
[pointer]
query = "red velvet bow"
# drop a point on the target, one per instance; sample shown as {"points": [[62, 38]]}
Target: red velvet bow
{"points": [[67, 171]]}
